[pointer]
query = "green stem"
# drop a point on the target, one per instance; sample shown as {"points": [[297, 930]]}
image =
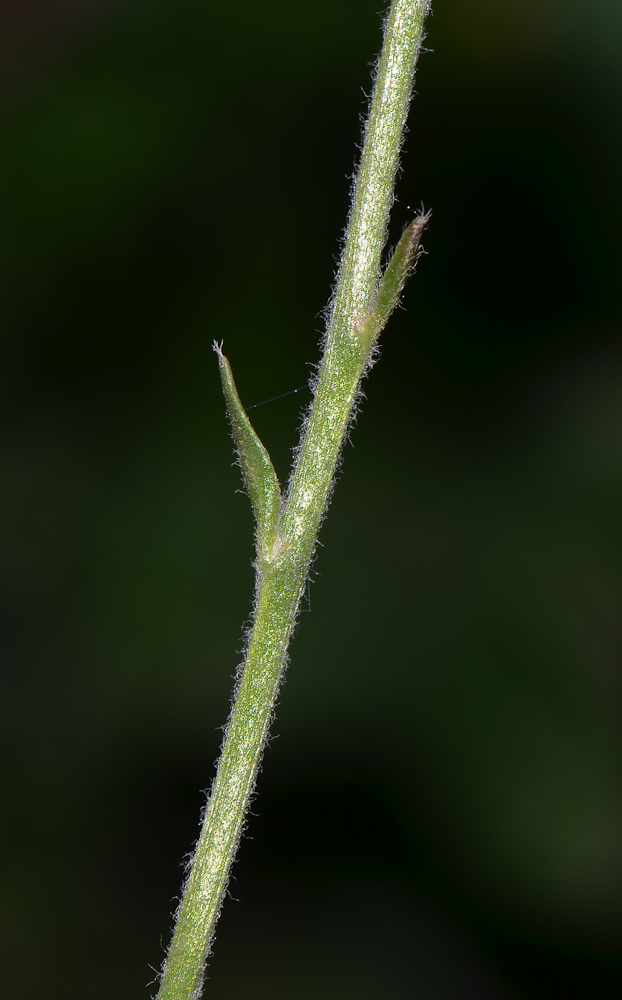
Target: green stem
{"points": [[358, 312]]}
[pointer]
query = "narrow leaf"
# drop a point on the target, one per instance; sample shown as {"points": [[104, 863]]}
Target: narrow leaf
{"points": [[394, 279], [257, 469], [400, 268]]}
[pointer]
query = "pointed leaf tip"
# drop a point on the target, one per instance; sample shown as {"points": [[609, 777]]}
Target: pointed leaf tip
{"points": [[258, 472]]}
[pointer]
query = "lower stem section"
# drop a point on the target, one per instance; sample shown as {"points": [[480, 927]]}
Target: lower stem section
{"points": [[233, 786]]}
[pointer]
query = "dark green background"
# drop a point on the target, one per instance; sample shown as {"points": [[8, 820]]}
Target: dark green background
{"points": [[441, 815]]}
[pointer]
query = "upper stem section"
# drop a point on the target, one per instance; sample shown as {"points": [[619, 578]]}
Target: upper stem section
{"points": [[348, 339], [373, 190]]}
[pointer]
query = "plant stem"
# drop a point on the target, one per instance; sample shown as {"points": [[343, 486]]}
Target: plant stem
{"points": [[358, 312]]}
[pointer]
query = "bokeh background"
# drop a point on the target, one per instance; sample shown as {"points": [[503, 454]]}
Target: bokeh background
{"points": [[441, 814]]}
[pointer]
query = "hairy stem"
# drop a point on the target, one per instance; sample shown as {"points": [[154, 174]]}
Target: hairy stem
{"points": [[358, 312]]}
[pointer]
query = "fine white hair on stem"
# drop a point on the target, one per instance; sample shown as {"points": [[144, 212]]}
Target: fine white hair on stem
{"points": [[363, 297]]}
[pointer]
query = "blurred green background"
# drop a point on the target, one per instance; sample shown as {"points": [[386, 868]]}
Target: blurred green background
{"points": [[441, 814]]}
